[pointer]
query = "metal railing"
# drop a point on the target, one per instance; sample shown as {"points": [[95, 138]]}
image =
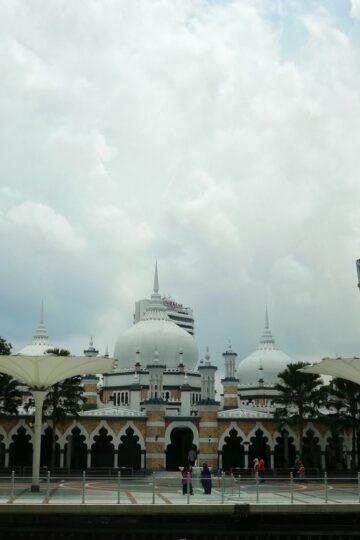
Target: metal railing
{"points": [[162, 488]]}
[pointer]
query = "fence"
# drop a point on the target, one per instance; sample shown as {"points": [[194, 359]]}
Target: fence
{"points": [[161, 488]]}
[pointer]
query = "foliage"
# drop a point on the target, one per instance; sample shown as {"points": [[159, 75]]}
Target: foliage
{"points": [[10, 396], [300, 396], [344, 401], [5, 347]]}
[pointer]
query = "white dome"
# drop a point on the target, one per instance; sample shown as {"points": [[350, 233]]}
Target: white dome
{"points": [[161, 335], [265, 363], [40, 343], [156, 332], [262, 364]]}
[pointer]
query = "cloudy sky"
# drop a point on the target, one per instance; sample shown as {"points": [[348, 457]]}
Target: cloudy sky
{"points": [[221, 137]]}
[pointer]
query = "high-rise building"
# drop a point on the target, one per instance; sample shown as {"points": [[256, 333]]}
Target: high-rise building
{"points": [[181, 315]]}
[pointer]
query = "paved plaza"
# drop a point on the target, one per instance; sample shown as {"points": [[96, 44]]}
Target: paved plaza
{"points": [[167, 490]]}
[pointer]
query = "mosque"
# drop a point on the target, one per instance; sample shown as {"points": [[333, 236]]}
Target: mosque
{"points": [[160, 400]]}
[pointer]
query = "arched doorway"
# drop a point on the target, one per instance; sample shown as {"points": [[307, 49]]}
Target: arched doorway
{"points": [[102, 450], [311, 454], [46, 449], [233, 452], [334, 453], [75, 451], [177, 451], [20, 449], [284, 451], [129, 450], [259, 448]]}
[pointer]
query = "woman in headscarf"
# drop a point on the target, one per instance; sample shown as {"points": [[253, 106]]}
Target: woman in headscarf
{"points": [[206, 479]]}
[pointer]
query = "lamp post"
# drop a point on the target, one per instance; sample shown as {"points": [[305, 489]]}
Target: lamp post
{"points": [[41, 372]]}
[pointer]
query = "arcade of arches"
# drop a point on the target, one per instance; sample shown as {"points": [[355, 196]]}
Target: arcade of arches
{"points": [[116, 445]]}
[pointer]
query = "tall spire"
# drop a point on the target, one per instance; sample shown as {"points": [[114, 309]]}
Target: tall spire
{"points": [[156, 309], [41, 335], [42, 312], [266, 318], [267, 341], [156, 279]]}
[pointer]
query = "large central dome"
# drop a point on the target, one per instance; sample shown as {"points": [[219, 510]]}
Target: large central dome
{"points": [[156, 333]]}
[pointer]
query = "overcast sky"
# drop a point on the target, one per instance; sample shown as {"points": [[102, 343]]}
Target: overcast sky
{"points": [[222, 137]]}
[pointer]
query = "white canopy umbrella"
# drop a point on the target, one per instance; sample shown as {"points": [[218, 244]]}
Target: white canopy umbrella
{"points": [[344, 368], [41, 372]]}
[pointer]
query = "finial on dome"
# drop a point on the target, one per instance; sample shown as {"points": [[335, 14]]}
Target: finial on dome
{"points": [[266, 318], [267, 341], [207, 356], [156, 279], [42, 312]]}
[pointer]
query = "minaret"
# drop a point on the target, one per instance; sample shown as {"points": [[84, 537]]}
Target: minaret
{"points": [[90, 382], [91, 351], [208, 409], [230, 382], [185, 390], [207, 372]]}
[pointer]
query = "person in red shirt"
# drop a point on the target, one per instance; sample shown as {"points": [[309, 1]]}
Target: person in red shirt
{"points": [[261, 469]]}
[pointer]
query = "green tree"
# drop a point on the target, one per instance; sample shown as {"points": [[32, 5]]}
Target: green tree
{"points": [[10, 396], [299, 397], [63, 399], [344, 402]]}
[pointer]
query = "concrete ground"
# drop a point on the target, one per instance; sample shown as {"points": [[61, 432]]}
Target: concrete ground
{"points": [[168, 491]]}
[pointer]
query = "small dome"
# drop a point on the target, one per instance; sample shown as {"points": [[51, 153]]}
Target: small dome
{"points": [[40, 343], [156, 332], [264, 364]]}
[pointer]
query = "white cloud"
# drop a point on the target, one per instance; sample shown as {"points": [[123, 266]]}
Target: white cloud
{"points": [[355, 9], [181, 130], [41, 226]]}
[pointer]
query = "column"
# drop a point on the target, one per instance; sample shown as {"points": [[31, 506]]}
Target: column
{"points": [[219, 459], [7, 456], [143, 452], [272, 461], [246, 461], [39, 396], [88, 458], [116, 458], [62, 455], [323, 461], [69, 452]]}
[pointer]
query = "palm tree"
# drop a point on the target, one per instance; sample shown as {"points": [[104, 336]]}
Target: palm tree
{"points": [[10, 396], [64, 398], [299, 396], [344, 399]]}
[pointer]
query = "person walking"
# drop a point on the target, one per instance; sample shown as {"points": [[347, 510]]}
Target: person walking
{"points": [[186, 474], [192, 455], [206, 479], [301, 470], [261, 470], [256, 467]]}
